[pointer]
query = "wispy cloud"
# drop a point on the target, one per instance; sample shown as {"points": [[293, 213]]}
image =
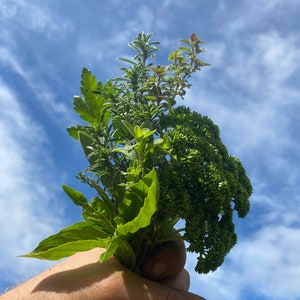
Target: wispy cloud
{"points": [[33, 16], [263, 266], [255, 90], [19, 20], [45, 97], [251, 93], [27, 187], [119, 28]]}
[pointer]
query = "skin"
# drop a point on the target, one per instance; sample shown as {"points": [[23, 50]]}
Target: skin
{"points": [[82, 277]]}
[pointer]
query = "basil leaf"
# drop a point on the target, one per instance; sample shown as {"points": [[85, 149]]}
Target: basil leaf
{"points": [[75, 238], [149, 187]]}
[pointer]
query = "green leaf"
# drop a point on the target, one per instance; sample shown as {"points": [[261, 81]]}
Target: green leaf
{"points": [[142, 133], [185, 49], [74, 130], [185, 41], [148, 186], [103, 196], [126, 60], [111, 248], [75, 238], [150, 97], [129, 127], [90, 106], [126, 255], [86, 143], [77, 197], [128, 151], [99, 214]]}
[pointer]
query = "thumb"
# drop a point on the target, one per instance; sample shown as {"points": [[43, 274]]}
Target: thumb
{"points": [[165, 260]]}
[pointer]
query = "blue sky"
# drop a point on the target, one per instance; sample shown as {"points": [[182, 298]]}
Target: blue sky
{"points": [[251, 91]]}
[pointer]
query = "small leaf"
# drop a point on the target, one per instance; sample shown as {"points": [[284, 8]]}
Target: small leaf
{"points": [[147, 133], [127, 151], [129, 127], [150, 97], [99, 214], [77, 197], [126, 255], [111, 248], [74, 130], [138, 132], [185, 49], [103, 195], [86, 143], [185, 41], [126, 60]]}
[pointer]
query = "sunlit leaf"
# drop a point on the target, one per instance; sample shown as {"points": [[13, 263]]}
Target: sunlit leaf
{"points": [[75, 238], [77, 197], [148, 186]]}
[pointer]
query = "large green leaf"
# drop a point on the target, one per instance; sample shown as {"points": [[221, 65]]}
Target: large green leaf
{"points": [[149, 187], [75, 238]]}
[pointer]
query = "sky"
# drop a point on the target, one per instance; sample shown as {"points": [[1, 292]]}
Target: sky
{"points": [[250, 91]]}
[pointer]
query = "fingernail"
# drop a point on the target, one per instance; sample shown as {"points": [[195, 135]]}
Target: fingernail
{"points": [[158, 269]]}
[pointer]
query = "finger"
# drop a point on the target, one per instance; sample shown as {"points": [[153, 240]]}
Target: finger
{"points": [[180, 281], [165, 260]]}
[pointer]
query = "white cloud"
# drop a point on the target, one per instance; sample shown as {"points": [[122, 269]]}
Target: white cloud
{"points": [[249, 92], [33, 17], [267, 264], [8, 59], [242, 18], [270, 262], [281, 59], [270, 60], [46, 98], [253, 99], [27, 188], [19, 18], [252, 94], [128, 20]]}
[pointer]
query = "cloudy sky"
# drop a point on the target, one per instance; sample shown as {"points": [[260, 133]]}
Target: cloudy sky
{"points": [[251, 91]]}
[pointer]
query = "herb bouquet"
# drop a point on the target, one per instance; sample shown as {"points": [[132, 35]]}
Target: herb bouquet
{"points": [[150, 165]]}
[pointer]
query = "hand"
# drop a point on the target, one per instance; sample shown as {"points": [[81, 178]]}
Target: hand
{"points": [[83, 277]]}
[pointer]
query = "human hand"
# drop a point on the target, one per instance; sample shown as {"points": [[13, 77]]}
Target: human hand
{"points": [[83, 277]]}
